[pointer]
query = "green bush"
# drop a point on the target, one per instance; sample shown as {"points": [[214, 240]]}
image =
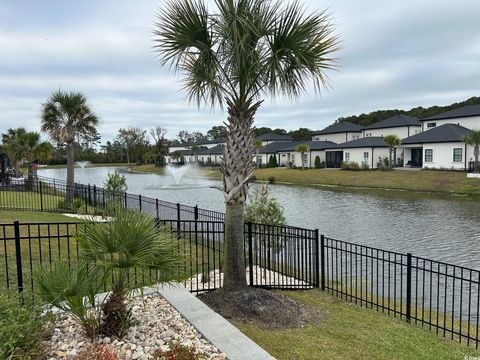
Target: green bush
{"points": [[365, 165], [345, 165], [271, 179], [383, 163], [318, 163], [354, 165], [115, 187], [21, 327], [75, 206], [272, 161]]}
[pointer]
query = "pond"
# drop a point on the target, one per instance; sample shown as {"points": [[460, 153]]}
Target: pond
{"points": [[443, 228]]}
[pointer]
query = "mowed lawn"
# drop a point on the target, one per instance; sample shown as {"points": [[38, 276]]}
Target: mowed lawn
{"points": [[29, 200], [348, 331], [423, 180]]}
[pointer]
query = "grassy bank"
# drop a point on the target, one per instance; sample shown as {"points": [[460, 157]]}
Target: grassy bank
{"points": [[61, 166], [211, 172], [347, 331], [447, 182], [451, 182]]}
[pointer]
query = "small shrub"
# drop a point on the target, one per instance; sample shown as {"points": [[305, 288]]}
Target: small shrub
{"points": [[115, 186], [365, 165], [75, 206], [21, 327], [323, 164], [318, 163], [97, 352], [271, 179], [272, 161], [179, 352], [383, 163], [345, 165], [354, 166]]}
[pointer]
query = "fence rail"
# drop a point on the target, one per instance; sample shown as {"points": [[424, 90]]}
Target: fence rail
{"points": [[47, 194]]}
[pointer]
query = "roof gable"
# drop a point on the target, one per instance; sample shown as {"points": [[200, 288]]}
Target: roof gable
{"points": [[442, 133], [274, 137], [395, 121], [340, 127], [370, 141], [465, 111]]}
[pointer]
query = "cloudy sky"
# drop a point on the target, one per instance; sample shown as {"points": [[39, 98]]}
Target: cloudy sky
{"points": [[396, 54]]}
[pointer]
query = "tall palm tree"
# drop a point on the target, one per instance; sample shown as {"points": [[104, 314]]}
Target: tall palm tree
{"points": [[13, 143], [392, 141], [257, 144], [302, 149], [35, 149], [235, 56], [473, 139], [66, 116]]}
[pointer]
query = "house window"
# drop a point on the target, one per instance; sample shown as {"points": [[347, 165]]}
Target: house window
{"points": [[368, 134], [365, 156], [457, 154], [347, 157], [355, 137], [431, 125], [428, 155]]}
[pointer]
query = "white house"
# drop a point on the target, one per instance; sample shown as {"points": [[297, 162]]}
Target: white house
{"points": [[289, 154], [400, 125], [368, 150], [441, 147], [272, 138], [339, 132], [466, 116]]}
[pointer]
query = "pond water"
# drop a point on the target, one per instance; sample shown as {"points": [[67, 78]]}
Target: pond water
{"points": [[444, 228]]}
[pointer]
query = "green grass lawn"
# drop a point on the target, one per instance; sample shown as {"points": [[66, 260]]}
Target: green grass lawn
{"points": [[348, 331], [9, 216], [424, 180], [29, 200]]}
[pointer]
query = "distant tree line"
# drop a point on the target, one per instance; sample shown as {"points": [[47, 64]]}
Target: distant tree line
{"points": [[417, 112]]}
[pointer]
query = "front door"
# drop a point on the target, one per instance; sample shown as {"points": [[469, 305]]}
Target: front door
{"points": [[417, 157]]}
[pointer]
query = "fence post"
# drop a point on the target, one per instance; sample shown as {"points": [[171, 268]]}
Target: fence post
{"points": [[156, 207], [41, 195], [85, 189], [125, 199], [95, 195], [409, 286], [317, 260], [322, 261], [140, 202], [196, 212], [18, 256], [250, 253]]}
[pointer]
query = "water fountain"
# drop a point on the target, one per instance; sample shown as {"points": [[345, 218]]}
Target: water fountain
{"points": [[184, 177], [178, 172], [82, 164]]}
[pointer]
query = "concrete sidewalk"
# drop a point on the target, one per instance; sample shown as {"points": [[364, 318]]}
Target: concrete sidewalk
{"points": [[223, 335]]}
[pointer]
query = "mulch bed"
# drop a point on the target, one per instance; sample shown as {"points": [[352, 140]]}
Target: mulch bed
{"points": [[260, 307]]}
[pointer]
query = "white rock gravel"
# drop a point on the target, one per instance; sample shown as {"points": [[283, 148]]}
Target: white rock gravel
{"points": [[158, 324]]}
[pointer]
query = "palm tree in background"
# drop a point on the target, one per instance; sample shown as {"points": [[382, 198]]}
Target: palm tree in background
{"points": [[12, 140], [35, 149], [195, 149], [302, 149], [473, 139], [66, 116], [258, 145], [392, 141], [237, 55]]}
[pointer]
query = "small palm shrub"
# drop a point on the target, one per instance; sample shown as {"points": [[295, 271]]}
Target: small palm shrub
{"points": [[110, 251], [74, 206], [21, 327]]}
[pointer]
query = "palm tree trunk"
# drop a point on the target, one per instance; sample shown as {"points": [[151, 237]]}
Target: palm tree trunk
{"points": [[256, 159], [301, 159], [237, 168], [390, 159], [30, 176], [70, 191]]}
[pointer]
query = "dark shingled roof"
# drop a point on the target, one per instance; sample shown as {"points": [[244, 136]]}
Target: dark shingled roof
{"points": [[216, 150], [274, 147], [201, 142], [469, 110], [395, 121], [313, 145], [370, 141], [340, 127], [274, 137], [442, 133]]}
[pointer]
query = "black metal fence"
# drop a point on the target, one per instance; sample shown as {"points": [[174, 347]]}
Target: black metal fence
{"points": [[46, 194]]}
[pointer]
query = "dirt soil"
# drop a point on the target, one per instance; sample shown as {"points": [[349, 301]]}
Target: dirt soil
{"points": [[260, 307]]}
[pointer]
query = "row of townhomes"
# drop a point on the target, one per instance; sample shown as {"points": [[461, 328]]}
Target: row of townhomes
{"points": [[435, 142]]}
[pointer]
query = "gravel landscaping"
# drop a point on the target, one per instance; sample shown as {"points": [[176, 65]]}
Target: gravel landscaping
{"points": [[158, 325]]}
